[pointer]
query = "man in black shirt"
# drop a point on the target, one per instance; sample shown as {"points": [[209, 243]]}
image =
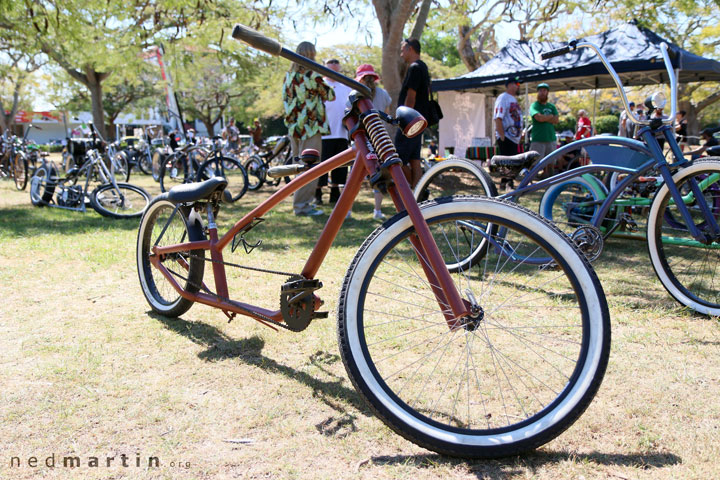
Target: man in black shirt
{"points": [[709, 139], [414, 94]]}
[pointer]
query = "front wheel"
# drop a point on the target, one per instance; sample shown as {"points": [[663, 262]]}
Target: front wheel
{"points": [[686, 267], [158, 159], [229, 168], [144, 162], [163, 225], [20, 171], [121, 167], [518, 372], [121, 200]]}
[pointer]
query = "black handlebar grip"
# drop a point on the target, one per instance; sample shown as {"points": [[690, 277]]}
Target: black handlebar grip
{"points": [[555, 53], [256, 39]]}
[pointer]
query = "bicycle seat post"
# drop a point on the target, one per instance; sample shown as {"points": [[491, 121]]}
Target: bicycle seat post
{"points": [[216, 255]]}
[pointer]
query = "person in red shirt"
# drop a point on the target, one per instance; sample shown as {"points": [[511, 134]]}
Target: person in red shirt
{"points": [[584, 129]]}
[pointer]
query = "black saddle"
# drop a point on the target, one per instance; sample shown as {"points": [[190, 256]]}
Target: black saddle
{"points": [[519, 161], [713, 151], [192, 192]]}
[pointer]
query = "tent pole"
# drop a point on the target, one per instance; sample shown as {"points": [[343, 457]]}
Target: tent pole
{"points": [[595, 103]]}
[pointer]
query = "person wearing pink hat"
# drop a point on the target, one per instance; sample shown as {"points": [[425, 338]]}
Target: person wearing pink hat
{"points": [[366, 75]]}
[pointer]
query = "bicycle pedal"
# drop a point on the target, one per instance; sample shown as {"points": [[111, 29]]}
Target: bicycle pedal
{"points": [[301, 285], [321, 315]]}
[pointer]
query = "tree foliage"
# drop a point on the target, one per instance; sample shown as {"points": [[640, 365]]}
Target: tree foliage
{"points": [[94, 39], [691, 24]]}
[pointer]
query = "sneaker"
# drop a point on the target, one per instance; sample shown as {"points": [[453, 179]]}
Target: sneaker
{"points": [[310, 213], [378, 215]]}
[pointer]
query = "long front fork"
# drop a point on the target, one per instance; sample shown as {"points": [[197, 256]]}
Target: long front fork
{"points": [[454, 308]]}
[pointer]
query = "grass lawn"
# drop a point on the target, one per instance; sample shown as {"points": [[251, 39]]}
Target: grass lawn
{"points": [[89, 371]]}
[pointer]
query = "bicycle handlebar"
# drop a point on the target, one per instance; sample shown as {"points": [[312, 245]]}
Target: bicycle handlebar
{"points": [[560, 51], [573, 45], [257, 40]]}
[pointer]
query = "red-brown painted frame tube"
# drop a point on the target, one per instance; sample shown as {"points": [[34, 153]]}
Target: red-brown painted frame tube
{"points": [[428, 253]]}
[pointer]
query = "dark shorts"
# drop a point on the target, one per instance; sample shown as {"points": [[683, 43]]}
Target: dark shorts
{"points": [[506, 147], [408, 148], [330, 148]]}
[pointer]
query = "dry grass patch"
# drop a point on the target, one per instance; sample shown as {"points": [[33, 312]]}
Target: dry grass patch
{"points": [[88, 371]]}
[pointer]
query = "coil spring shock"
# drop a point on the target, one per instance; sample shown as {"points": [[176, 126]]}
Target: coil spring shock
{"points": [[379, 138]]}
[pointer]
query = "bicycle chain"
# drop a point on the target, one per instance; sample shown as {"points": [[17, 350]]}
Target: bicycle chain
{"points": [[264, 318]]}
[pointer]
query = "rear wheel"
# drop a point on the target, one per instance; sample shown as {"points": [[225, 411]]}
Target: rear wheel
{"points": [[454, 176], [572, 203], [229, 168], [511, 377], [42, 185], [121, 200], [687, 268], [161, 227], [173, 171], [255, 169]]}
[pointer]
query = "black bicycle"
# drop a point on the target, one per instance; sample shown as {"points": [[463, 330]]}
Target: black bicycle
{"points": [[218, 165], [257, 165]]}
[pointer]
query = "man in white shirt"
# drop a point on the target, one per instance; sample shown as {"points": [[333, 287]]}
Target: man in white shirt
{"points": [[626, 126], [337, 141], [508, 119], [508, 124]]}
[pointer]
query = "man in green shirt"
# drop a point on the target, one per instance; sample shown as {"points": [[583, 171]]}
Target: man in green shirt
{"points": [[544, 117]]}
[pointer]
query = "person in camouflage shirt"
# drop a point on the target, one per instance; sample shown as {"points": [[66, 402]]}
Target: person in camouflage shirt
{"points": [[304, 92]]}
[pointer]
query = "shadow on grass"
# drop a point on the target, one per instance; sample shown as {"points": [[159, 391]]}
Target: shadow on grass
{"points": [[25, 222], [221, 347], [519, 465]]}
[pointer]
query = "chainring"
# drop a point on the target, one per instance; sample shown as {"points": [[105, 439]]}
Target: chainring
{"points": [[589, 240], [297, 302]]}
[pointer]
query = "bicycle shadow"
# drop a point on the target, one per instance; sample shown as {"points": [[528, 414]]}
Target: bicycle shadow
{"points": [[520, 465], [220, 347]]}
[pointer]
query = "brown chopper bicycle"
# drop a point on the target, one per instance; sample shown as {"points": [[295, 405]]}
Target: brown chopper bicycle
{"points": [[454, 343]]}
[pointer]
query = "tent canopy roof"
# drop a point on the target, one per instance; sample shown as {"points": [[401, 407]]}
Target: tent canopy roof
{"points": [[633, 51]]}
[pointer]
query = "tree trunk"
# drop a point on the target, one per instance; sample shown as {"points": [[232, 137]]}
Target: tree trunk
{"points": [[98, 112], [392, 16], [7, 121], [421, 19], [692, 110], [465, 49], [207, 121]]}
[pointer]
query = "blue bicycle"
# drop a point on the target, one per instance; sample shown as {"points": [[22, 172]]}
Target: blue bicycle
{"points": [[626, 177]]}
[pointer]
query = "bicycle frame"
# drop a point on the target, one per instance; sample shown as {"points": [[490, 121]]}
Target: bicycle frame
{"points": [[650, 150], [656, 160], [92, 158], [366, 163]]}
